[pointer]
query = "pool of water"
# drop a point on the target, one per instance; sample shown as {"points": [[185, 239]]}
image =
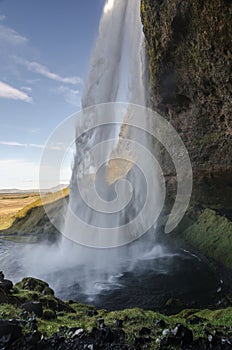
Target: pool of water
{"points": [[149, 284]]}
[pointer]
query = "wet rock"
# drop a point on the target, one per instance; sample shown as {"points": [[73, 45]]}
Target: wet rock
{"points": [[92, 313], [101, 323], [63, 329], [180, 335], [3, 296], [33, 307], [140, 341], [118, 323], [2, 276], [90, 347], [161, 324], [33, 323], [212, 339], [34, 337], [183, 334], [226, 341], [78, 332], [195, 320], [9, 331], [166, 332], [24, 315], [108, 335], [7, 284], [144, 331]]}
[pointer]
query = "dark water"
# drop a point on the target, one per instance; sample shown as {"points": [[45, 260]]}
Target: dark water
{"points": [[150, 284], [153, 282]]}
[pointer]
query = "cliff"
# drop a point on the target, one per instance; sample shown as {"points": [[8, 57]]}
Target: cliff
{"points": [[188, 44], [190, 82]]}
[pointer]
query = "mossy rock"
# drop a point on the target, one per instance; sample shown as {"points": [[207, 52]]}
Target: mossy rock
{"points": [[34, 284], [212, 234], [3, 296], [49, 314]]}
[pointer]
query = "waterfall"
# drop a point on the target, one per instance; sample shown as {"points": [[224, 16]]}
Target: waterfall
{"points": [[117, 64], [116, 189], [112, 174], [116, 75]]}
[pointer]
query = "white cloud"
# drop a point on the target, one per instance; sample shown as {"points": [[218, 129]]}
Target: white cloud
{"points": [[9, 92], [16, 173], [26, 88], [60, 147], [2, 17], [10, 36], [70, 95], [19, 144], [44, 71], [23, 174]]}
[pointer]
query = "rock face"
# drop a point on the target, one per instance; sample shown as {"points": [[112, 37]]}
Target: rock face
{"points": [[189, 49]]}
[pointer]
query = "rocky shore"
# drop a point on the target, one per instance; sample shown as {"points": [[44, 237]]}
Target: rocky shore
{"points": [[33, 318]]}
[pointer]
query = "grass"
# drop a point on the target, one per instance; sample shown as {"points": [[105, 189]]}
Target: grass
{"points": [[25, 218], [212, 235], [133, 320], [11, 204]]}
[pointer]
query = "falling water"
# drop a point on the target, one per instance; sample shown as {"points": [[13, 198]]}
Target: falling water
{"points": [[117, 64], [116, 74]]}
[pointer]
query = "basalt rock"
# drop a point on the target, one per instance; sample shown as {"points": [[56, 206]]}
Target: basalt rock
{"points": [[189, 49], [10, 331], [34, 284], [33, 307]]}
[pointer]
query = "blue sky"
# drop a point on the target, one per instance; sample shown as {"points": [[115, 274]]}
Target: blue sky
{"points": [[45, 48]]}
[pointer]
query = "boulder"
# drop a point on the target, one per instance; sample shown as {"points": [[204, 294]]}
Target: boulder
{"points": [[49, 314], [2, 276], [33, 307], [34, 284], [8, 285], [118, 323], [161, 324], [3, 296], [144, 331], [9, 331], [183, 334]]}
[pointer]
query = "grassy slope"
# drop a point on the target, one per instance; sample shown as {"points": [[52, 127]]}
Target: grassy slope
{"points": [[212, 234], [133, 319], [11, 204], [33, 219]]}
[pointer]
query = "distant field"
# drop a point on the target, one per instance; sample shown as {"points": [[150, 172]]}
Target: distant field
{"points": [[16, 205], [11, 204]]}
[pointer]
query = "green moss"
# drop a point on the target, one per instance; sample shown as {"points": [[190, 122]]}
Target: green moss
{"points": [[212, 234], [8, 311], [49, 314], [133, 320], [221, 317]]}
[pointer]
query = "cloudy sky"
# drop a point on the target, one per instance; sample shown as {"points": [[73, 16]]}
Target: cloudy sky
{"points": [[45, 49]]}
